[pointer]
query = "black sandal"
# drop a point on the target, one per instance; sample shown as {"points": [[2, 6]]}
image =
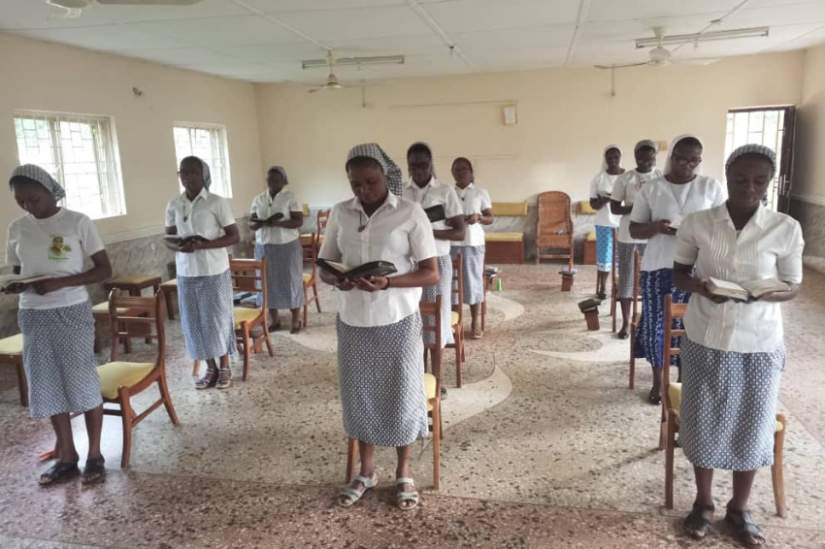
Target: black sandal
{"points": [[654, 397], [94, 472], [59, 472], [745, 528], [697, 524]]}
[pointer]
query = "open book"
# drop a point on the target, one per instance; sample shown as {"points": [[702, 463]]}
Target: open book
{"points": [[372, 268], [746, 290], [181, 240], [9, 279], [435, 213]]}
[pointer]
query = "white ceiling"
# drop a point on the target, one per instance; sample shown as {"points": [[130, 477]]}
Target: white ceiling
{"points": [[265, 40]]}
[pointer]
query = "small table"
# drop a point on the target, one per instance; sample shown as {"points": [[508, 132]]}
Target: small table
{"points": [[134, 284]]}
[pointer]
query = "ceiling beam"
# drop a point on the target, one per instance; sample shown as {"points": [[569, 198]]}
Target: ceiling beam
{"points": [[436, 28], [581, 17], [283, 24]]}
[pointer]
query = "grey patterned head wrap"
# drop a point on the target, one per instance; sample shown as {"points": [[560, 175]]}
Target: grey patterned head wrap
{"points": [[395, 180], [207, 175], [39, 175], [761, 150], [645, 143], [281, 171]]}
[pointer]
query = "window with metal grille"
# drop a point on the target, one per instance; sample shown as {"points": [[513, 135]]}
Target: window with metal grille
{"points": [[81, 153], [207, 142]]}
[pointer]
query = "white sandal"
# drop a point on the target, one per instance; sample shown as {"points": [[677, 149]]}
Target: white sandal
{"points": [[403, 497], [349, 496]]}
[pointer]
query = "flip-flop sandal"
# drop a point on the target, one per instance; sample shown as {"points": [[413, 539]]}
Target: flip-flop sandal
{"points": [[622, 334], [745, 528], [274, 327], [94, 471], [296, 327], [349, 496], [59, 472], [653, 397], [476, 334], [406, 500], [697, 524]]}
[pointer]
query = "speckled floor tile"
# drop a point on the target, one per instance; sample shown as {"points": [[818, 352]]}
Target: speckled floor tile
{"points": [[544, 447]]}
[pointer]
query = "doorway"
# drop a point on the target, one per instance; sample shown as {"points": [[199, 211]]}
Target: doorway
{"points": [[774, 128]]}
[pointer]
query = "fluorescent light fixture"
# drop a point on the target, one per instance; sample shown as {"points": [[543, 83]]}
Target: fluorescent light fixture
{"points": [[752, 32], [375, 60]]}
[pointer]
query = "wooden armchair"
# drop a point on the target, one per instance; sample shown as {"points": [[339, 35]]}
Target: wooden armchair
{"points": [[310, 279], [671, 408], [120, 381], [249, 275], [554, 228]]}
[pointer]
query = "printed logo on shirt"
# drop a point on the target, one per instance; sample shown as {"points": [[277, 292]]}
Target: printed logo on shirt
{"points": [[59, 248]]}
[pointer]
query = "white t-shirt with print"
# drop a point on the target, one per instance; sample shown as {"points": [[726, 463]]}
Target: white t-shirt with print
{"points": [[264, 207], [57, 246]]}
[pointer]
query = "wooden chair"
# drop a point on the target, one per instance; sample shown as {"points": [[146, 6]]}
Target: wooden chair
{"points": [[100, 313], [431, 319], [635, 316], [249, 275], [671, 408], [310, 279], [457, 318], [170, 291], [554, 227], [11, 353], [120, 381]]}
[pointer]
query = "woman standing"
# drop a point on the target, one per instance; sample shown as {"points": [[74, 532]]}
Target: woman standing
{"points": [[380, 350], [733, 353], [477, 212], [601, 189], [204, 280], [275, 219], [55, 315], [621, 203], [657, 212]]}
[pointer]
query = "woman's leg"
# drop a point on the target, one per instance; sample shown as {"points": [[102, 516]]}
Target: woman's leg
{"points": [[404, 470], [66, 451], [366, 453], [704, 485], [474, 309], [625, 306], [742, 483], [698, 523], [274, 321], [601, 283], [296, 319], [94, 428]]}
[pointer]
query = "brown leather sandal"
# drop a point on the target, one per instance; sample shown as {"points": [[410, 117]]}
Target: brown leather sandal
{"points": [[59, 472]]}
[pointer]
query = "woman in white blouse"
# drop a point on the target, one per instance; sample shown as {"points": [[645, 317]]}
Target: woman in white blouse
{"points": [[275, 219], [477, 212], [733, 354], [204, 281], [380, 349], [601, 188], [55, 315], [621, 204], [657, 212]]}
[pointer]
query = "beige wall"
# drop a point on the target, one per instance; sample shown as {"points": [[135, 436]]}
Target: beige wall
{"points": [[565, 117], [43, 76], [810, 168]]}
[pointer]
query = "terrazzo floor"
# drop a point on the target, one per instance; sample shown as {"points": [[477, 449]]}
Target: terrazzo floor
{"points": [[544, 447]]}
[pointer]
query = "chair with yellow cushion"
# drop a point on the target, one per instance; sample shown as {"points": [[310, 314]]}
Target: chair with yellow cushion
{"points": [[249, 275], [311, 278], [457, 318], [554, 227], [672, 405], [431, 322], [11, 353], [119, 380]]}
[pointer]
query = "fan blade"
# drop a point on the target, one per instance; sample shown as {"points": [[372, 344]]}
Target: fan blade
{"points": [[149, 2], [608, 67], [703, 61]]}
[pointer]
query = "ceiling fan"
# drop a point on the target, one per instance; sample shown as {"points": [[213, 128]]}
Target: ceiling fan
{"points": [[74, 8], [659, 56], [332, 82]]}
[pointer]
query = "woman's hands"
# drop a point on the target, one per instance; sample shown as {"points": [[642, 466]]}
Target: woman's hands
{"points": [[472, 219], [372, 283], [41, 287]]}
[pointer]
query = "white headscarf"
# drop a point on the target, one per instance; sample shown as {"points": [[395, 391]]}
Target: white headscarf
{"points": [[761, 150], [281, 171], [676, 140], [604, 153], [39, 175]]}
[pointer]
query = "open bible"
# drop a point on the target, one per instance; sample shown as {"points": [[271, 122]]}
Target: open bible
{"points": [[745, 290], [8, 280], [372, 268], [182, 240], [435, 213]]}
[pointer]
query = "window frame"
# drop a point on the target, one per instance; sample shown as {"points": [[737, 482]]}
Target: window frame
{"points": [[222, 148]]}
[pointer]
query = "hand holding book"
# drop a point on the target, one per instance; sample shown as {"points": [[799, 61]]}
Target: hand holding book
{"points": [[721, 290]]}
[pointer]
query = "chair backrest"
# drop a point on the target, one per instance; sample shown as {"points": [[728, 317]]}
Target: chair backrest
{"points": [[510, 209], [637, 271], [149, 311], [322, 220], [431, 323], [249, 275], [554, 217], [673, 311], [310, 253], [457, 286]]}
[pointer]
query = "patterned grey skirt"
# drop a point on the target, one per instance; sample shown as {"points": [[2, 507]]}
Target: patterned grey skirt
{"points": [[284, 274], [625, 266], [472, 273], [380, 373], [59, 359], [207, 316], [443, 289], [729, 404]]}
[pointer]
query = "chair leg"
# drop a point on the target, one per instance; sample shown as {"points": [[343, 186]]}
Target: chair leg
{"points": [[484, 313], [315, 293], [126, 419], [167, 399], [306, 305], [22, 384], [778, 467], [352, 452], [632, 374], [671, 442], [458, 365], [246, 344], [436, 442], [268, 341]]}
